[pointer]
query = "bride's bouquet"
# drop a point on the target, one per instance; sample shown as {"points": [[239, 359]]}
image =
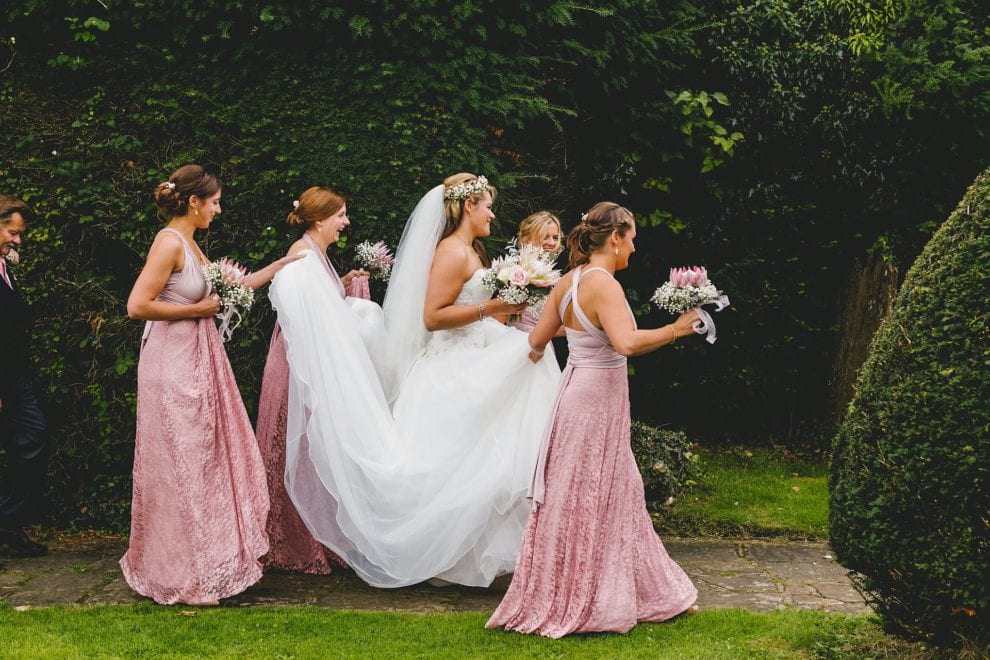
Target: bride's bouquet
{"points": [[376, 259], [227, 279], [523, 275], [690, 288]]}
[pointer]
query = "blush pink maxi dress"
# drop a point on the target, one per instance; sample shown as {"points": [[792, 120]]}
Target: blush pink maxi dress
{"points": [[199, 497], [590, 560], [293, 547]]}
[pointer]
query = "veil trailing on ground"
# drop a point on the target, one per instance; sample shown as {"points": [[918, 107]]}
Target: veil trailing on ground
{"points": [[434, 485], [391, 514], [405, 333]]}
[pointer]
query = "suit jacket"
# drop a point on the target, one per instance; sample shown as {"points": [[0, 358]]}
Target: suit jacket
{"points": [[15, 335]]}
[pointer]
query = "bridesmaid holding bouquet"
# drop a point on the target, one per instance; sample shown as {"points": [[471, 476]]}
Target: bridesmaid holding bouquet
{"points": [[590, 560], [541, 229], [199, 496]]}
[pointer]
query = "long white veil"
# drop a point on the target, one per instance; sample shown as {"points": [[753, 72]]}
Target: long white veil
{"points": [[438, 488], [406, 293]]}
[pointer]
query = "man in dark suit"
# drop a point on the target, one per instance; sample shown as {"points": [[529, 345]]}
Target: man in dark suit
{"points": [[22, 424]]}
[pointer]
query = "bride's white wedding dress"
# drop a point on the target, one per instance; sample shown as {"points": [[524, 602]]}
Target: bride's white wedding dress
{"points": [[435, 485]]}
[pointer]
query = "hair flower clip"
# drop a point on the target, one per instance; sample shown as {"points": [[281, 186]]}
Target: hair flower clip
{"points": [[170, 185], [295, 203]]}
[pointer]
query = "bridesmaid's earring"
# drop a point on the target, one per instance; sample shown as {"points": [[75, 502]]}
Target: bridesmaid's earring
{"points": [[616, 250]]}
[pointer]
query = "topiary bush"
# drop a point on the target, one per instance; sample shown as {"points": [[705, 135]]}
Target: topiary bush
{"points": [[666, 462], [910, 498]]}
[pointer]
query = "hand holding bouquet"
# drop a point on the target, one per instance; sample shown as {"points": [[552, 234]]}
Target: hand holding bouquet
{"points": [[690, 288], [523, 275], [227, 279], [376, 259]]}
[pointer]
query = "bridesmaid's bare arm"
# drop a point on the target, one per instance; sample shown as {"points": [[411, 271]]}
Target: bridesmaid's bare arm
{"points": [[165, 257], [548, 326], [263, 276], [609, 302]]}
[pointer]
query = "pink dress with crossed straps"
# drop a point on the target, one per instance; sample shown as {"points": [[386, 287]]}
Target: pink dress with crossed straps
{"points": [[199, 497], [590, 560]]}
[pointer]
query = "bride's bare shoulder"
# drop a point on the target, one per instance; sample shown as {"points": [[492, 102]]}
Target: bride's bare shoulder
{"points": [[454, 245], [452, 250]]}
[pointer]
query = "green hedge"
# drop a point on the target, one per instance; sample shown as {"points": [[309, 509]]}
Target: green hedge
{"points": [[910, 483], [667, 462]]}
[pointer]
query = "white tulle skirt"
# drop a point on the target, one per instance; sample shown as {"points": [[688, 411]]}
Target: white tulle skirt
{"points": [[440, 489]]}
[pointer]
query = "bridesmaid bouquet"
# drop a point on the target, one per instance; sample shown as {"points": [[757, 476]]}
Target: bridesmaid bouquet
{"points": [[376, 259], [523, 275], [226, 279], [690, 288]]}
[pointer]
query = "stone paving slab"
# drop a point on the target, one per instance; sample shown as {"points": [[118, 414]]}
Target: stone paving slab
{"points": [[754, 575]]}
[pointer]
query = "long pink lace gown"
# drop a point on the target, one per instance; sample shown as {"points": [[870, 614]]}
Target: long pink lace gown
{"points": [[199, 499], [590, 560], [293, 548]]}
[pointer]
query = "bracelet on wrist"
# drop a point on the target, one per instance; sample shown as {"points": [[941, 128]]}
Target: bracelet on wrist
{"points": [[481, 312]]}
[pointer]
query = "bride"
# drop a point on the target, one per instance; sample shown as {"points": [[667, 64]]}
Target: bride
{"points": [[423, 473]]}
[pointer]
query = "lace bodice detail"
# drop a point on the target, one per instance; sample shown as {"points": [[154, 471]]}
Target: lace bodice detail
{"points": [[468, 336]]}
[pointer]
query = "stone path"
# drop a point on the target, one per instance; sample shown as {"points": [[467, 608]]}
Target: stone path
{"points": [[754, 575]]}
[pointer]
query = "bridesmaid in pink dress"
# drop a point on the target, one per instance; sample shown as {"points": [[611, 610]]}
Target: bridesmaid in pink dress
{"points": [[590, 560], [199, 496], [543, 229], [321, 214]]}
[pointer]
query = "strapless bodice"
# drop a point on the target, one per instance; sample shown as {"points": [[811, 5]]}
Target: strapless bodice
{"points": [[474, 292]]}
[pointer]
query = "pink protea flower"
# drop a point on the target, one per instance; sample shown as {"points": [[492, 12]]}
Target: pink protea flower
{"points": [[693, 276], [232, 271]]}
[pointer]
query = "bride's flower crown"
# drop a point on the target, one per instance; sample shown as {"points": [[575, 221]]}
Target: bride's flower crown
{"points": [[466, 189]]}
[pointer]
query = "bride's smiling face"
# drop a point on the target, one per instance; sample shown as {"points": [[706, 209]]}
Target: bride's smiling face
{"points": [[334, 224], [478, 215]]}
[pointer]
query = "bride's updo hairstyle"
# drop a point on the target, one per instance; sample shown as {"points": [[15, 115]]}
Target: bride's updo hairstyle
{"points": [[172, 196], [453, 206], [594, 230], [317, 203]]}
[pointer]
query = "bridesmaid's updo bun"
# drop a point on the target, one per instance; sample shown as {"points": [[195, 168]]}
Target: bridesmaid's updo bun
{"points": [[172, 196], [317, 203], [594, 230]]}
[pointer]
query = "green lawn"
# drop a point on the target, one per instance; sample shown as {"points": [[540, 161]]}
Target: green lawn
{"points": [[146, 630], [752, 493]]}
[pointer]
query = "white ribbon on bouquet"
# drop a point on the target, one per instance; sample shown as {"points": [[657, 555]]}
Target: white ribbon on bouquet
{"points": [[229, 320], [705, 325]]}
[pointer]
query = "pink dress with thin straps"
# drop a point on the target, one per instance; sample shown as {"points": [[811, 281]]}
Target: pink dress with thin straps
{"points": [[199, 496], [590, 560], [293, 548]]}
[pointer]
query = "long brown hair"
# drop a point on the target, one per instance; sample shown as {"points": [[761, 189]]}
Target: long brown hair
{"points": [[454, 211]]}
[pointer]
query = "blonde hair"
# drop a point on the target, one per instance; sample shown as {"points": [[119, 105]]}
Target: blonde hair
{"points": [[454, 210], [315, 204], [594, 229], [535, 225]]}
